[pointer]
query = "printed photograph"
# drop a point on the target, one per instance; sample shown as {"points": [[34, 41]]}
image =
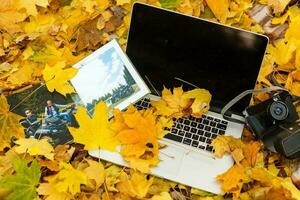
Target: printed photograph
{"points": [[46, 115], [104, 78]]}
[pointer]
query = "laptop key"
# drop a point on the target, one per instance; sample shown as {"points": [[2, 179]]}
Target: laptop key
{"points": [[208, 141], [188, 135], [221, 132], [194, 124], [207, 134], [221, 126], [195, 143], [192, 118], [186, 122], [200, 132], [199, 120], [195, 137], [186, 128], [209, 148], [213, 136], [207, 128], [214, 130], [217, 120], [174, 130], [180, 120], [201, 147], [181, 133], [205, 121], [202, 139], [179, 126], [224, 122], [187, 141], [213, 124], [200, 126], [173, 137], [193, 130], [209, 118]]}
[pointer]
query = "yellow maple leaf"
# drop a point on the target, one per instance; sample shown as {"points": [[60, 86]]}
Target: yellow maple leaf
{"points": [[135, 186], [252, 153], [9, 124], [282, 52], [162, 196], [221, 145], [293, 82], [122, 2], [293, 31], [95, 171], [34, 147], [30, 5], [57, 78], [220, 9], [233, 179], [94, 133], [69, 179], [201, 99], [49, 190]]}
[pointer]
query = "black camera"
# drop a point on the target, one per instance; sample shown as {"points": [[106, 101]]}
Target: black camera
{"points": [[274, 121]]}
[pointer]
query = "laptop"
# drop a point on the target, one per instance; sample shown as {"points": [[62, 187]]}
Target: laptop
{"points": [[172, 49]]}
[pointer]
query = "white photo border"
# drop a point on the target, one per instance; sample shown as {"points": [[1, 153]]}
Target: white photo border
{"points": [[143, 88]]}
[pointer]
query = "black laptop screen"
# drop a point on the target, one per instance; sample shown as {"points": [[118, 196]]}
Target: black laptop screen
{"points": [[168, 49]]}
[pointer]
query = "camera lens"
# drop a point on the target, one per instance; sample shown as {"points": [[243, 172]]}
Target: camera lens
{"points": [[278, 110]]}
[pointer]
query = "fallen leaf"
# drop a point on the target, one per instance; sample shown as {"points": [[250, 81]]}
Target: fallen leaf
{"points": [[9, 124], [35, 147], [201, 99], [162, 196], [232, 180], [135, 186], [219, 8], [23, 183], [95, 171], [94, 133], [30, 5], [57, 78], [221, 146], [69, 179]]}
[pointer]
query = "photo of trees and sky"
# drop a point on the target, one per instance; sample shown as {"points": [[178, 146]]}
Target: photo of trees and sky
{"points": [[104, 79]]}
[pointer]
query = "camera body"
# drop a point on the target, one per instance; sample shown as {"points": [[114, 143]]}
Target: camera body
{"points": [[274, 122]]}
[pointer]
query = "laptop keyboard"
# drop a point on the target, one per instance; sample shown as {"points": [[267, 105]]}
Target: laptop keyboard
{"points": [[191, 131]]}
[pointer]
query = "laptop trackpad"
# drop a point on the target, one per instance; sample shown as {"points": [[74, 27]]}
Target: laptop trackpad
{"points": [[170, 161]]}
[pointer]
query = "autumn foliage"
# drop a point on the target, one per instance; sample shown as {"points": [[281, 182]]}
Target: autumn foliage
{"points": [[40, 40]]}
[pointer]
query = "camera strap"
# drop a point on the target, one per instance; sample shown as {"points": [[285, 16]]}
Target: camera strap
{"points": [[242, 95]]}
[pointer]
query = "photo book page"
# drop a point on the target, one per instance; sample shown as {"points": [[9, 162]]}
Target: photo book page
{"points": [[105, 75]]}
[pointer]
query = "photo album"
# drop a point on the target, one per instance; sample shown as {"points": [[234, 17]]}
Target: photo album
{"points": [[105, 75]]}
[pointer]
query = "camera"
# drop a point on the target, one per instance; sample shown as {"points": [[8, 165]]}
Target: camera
{"points": [[274, 121]]}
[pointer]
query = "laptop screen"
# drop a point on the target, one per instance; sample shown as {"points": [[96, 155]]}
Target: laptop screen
{"points": [[170, 49]]}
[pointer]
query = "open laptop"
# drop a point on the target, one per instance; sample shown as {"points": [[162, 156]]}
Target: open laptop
{"points": [[171, 49]]}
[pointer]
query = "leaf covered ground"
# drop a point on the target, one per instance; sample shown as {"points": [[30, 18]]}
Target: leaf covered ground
{"points": [[40, 40]]}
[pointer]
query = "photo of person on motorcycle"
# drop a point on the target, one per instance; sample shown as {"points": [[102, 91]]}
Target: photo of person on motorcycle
{"points": [[52, 110]]}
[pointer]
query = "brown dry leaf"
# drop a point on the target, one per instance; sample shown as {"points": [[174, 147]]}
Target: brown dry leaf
{"points": [[88, 35], [63, 153], [278, 5], [9, 124]]}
